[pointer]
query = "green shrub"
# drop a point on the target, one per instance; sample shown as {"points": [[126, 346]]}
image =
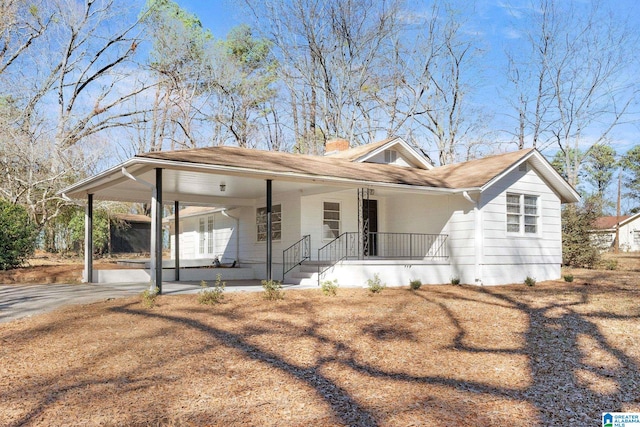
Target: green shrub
{"points": [[149, 297], [415, 284], [568, 277], [375, 285], [272, 290], [455, 280], [100, 229], [211, 296], [17, 235], [611, 264], [578, 247], [329, 287], [530, 281]]}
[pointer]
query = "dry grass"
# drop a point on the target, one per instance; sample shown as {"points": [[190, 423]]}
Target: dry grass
{"points": [[554, 354]]}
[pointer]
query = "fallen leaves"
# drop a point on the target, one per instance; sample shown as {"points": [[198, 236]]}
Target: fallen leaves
{"points": [[458, 355]]}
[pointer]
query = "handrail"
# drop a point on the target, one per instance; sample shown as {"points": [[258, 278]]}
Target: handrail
{"points": [[381, 245], [296, 254]]}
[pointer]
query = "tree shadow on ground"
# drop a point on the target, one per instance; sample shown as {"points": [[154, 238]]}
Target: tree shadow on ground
{"points": [[567, 387]]}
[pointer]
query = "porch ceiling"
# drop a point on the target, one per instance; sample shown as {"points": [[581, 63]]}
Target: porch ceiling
{"points": [[199, 184], [187, 185]]}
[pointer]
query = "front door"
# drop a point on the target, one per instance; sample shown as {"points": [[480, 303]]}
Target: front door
{"points": [[370, 216]]}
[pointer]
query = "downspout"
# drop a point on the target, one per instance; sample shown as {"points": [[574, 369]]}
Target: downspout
{"points": [[225, 213], [478, 237]]}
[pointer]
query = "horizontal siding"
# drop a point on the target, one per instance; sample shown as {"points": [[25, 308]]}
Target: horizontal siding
{"points": [[311, 209], [501, 248]]}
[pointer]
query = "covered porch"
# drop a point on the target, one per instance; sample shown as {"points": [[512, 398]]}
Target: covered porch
{"points": [[381, 226]]}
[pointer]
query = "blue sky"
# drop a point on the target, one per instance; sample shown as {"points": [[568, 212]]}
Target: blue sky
{"points": [[490, 21]]}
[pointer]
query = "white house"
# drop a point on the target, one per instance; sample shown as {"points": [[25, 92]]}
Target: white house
{"points": [[629, 231], [380, 208]]}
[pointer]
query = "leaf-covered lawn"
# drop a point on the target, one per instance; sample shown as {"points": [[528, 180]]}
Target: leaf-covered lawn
{"points": [[553, 354]]}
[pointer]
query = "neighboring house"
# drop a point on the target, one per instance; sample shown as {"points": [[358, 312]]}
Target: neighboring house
{"points": [[604, 232], [380, 208], [129, 233]]}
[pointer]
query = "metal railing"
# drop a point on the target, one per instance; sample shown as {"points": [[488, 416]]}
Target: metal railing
{"points": [[381, 246], [296, 254]]}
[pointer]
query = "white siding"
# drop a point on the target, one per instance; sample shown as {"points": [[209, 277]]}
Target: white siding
{"points": [[509, 257], [311, 209], [254, 251], [630, 236]]}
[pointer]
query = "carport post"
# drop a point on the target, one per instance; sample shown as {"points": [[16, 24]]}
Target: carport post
{"points": [[88, 240], [269, 234], [176, 238], [156, 233]]}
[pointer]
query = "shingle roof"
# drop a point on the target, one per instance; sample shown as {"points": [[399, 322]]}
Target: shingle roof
{"points": [[608, 222], [133, 217], [356, 152], [471, 174]]}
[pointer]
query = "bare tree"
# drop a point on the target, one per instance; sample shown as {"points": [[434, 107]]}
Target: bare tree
{"points": [[436, 84], [575, 86], [180, 63], [70, 80], [331, 55]]}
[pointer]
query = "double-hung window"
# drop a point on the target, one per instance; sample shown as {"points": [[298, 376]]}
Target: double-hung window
{"points": [[331, 220], [522, 214], [276, 223]]}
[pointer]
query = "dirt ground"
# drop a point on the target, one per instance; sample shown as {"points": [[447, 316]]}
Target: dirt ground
{"points": [[556, 353], [45, 268]]}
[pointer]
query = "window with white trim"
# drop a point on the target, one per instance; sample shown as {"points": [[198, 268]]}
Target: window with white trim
{"points": [[390, 156], [522, 213], [202, 236], [330, 220], [276, 223], [210, 234]]}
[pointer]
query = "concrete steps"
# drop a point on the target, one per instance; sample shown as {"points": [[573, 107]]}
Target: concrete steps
{"points": [[305, 274]]}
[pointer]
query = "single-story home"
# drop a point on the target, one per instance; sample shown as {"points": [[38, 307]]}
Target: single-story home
{"points": [[380, 208], [604, 232]]}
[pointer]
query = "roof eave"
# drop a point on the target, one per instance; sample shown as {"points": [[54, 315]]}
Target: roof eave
{"points": [[87, 185], [566, 192]]}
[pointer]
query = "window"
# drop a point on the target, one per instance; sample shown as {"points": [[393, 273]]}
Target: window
{"points": [[276, 223], [331, 220], [390, 156], [636, 237], [522, 213], [210, 234], [202, 236]]}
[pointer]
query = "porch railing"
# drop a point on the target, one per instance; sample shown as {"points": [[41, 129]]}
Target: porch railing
{"points": [[381, 246], [296, 254]]}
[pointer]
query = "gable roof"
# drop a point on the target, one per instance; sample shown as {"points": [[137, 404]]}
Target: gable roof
{"points": [[611, 222], [190, 174], [364, 152]]}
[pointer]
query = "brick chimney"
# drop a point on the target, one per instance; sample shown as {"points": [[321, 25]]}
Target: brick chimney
{"points": [[335, 145]]}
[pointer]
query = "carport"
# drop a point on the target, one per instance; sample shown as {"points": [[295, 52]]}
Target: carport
{"points": [[225, 177]]}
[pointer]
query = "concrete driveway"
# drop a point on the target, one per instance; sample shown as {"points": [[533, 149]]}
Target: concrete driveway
{"points": [[18, 301]]}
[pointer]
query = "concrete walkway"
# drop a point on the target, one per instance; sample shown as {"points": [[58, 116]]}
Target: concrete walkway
{"points": [[17, 301]]}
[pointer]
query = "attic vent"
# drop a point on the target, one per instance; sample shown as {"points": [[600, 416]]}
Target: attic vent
{"points": [[523, 167], [390, 156]]}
